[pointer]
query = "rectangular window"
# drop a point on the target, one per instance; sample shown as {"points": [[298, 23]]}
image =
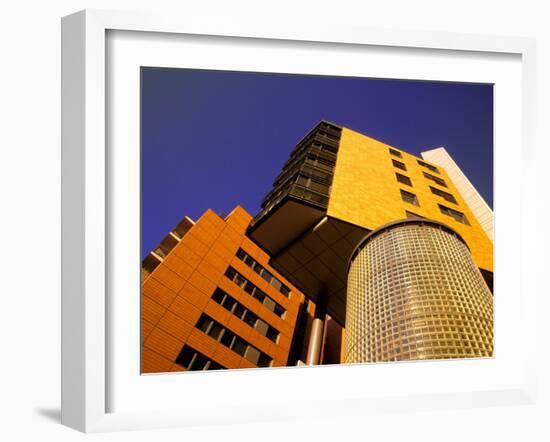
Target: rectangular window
{"points": [[443, 194], [215, 330], [239, 310], [395, 152], [239, 346], [399, 164], [435, 179], [241, 254], [218, 296], [272, 334], [428, 166], [227, 339], [264, 361], [403, 179], [250, 319], [409, 197], [193, 360], [458, 216], [279, 311], [204, 324]]}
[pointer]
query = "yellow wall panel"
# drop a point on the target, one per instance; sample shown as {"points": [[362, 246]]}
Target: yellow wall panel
{"points": [[365, 192]]}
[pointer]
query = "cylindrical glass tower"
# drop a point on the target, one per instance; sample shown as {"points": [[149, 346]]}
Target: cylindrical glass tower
{"points": [[414, 292]]}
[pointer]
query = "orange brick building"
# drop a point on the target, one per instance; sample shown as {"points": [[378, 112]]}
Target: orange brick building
{"points": [[210, 300]]}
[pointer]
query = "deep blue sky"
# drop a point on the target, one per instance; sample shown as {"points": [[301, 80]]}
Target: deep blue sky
{"points": [[215, 139]]}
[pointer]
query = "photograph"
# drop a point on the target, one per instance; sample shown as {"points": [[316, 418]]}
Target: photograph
{"points": [[293, 220]]}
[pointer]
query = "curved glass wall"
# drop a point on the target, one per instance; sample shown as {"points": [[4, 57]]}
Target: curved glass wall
{"points": [[414, 292]]}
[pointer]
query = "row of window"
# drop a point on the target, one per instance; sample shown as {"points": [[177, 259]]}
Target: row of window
{"points": [[400, 165], [193, 360], [398, 154], [445, 195], [406, 180], [229, 339], [411, 198], [245, 315], [254, 291], [435, 179], [458, 216], [260, 270]]}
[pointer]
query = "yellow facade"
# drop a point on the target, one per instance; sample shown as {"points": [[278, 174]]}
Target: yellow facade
{"points": [[366, 193]]}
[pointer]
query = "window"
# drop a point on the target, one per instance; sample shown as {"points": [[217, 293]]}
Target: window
{"points": [[215, 330], [250, 318], [409, 197], [399, 164], [279, 311], [203, 324], [395, 152], [428, 166], [443, 194], [435, 179], [264, 361], [263, 272], [285, 290], [403, 179], [272, 334], [458, 216], [239, 346], [219, 296], [192, 360]]}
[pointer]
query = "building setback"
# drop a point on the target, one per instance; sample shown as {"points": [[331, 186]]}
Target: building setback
{"points": [[210, 300]]}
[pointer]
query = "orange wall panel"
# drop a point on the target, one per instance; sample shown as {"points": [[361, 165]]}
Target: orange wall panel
{"points": [[158, 292], [172, 324], [179, 290], [164, 344], [152, 362], [150, 310]]}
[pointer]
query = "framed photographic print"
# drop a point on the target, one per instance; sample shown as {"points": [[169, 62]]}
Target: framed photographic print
{"points": [[252, 212]]}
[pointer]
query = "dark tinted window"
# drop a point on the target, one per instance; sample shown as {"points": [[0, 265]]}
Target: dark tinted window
{"points": [[395, 153], [399, 164], [409, 197], [443, 194], [458, 216], [403, 179]]}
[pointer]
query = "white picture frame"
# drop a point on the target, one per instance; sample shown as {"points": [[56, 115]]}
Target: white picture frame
{"points": [[86, 204]]}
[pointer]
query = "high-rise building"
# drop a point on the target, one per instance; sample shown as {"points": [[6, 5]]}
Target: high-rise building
{"points": [[339, 186], [361, 253], [211, 300]]}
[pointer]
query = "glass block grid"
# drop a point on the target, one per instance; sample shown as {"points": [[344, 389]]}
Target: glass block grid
{"points": [[414, 292]]}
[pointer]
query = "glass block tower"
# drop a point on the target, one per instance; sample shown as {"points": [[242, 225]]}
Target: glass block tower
{"points": [[414, 292], [337, 187]]}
